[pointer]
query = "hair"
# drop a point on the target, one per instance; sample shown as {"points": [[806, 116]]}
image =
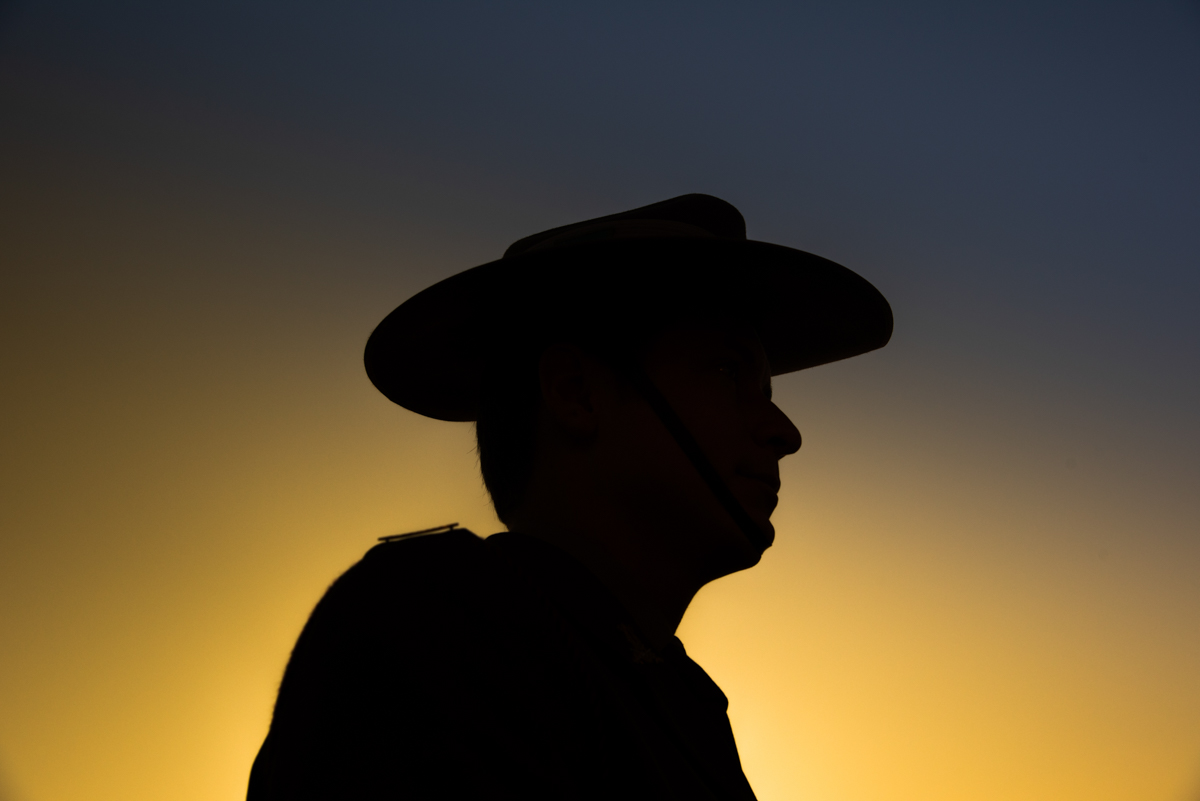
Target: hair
{"points": [[506, 429]]}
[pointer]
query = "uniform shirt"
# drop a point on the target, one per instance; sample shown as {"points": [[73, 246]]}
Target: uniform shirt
{"points": [[448, 666]]}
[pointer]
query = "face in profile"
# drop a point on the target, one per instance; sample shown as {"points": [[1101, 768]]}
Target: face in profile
{"points": [[718, 380]]}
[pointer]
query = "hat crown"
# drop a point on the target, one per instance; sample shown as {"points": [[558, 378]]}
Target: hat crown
{"points": [[686, 216]]}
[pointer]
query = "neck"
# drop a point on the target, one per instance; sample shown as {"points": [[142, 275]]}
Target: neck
{"points": [[653, 587]]}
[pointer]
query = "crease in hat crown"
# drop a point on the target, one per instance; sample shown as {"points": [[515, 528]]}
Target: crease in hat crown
{"points": [[687, 216]]}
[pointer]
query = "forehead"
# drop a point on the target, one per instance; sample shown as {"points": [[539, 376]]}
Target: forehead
{"points": [[708, 338]]}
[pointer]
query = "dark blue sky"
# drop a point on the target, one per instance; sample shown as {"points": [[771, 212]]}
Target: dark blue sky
{"points": [[1022, 166]]}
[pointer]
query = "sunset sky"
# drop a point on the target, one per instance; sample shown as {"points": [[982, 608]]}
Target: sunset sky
{"points": [[986, 579]]}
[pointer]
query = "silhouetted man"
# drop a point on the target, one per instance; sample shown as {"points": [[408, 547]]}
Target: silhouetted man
{"points": [[619, 373]]}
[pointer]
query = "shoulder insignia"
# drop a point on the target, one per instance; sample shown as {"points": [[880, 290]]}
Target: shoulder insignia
{"points": [[422, 533]]}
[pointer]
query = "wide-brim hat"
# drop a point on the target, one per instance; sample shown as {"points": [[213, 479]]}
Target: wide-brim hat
{"points": [[432, 353]]}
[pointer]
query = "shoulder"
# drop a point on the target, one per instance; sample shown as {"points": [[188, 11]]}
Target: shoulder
{"points": [[381, 677], [428, 582], [416, 612], [434, 563]]}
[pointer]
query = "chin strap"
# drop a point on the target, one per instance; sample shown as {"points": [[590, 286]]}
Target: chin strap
{"points": [[670, 420]]}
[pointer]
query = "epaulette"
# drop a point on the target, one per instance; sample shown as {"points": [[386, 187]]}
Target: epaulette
{"points": [[411, 535]]}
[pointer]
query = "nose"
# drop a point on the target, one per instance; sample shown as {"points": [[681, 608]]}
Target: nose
{"points": [[779, 433]]}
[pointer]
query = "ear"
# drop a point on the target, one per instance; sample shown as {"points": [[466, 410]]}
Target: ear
{"points": [[567, 378]]}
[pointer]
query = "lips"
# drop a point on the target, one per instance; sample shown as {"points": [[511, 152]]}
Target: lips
{"points": [[770, 479]]}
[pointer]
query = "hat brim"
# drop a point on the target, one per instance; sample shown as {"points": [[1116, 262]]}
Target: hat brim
{"points": [[431, 353]]}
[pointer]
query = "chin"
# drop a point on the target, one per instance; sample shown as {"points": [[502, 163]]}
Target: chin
{"points": [[761, 517], [740, 553], [768, 530], [726, 549]]}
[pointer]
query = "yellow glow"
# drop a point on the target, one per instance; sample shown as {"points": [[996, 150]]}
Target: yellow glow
{"points": [[191, 457]]}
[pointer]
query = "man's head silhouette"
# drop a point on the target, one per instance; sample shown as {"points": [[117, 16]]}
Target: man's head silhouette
{"points": [[619, 373]]}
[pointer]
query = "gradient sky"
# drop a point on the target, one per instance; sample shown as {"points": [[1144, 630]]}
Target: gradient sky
{"points": [[986, 582]]}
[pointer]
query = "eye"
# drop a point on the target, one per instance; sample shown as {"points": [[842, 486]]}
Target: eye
{"points": [[729, 367]]}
